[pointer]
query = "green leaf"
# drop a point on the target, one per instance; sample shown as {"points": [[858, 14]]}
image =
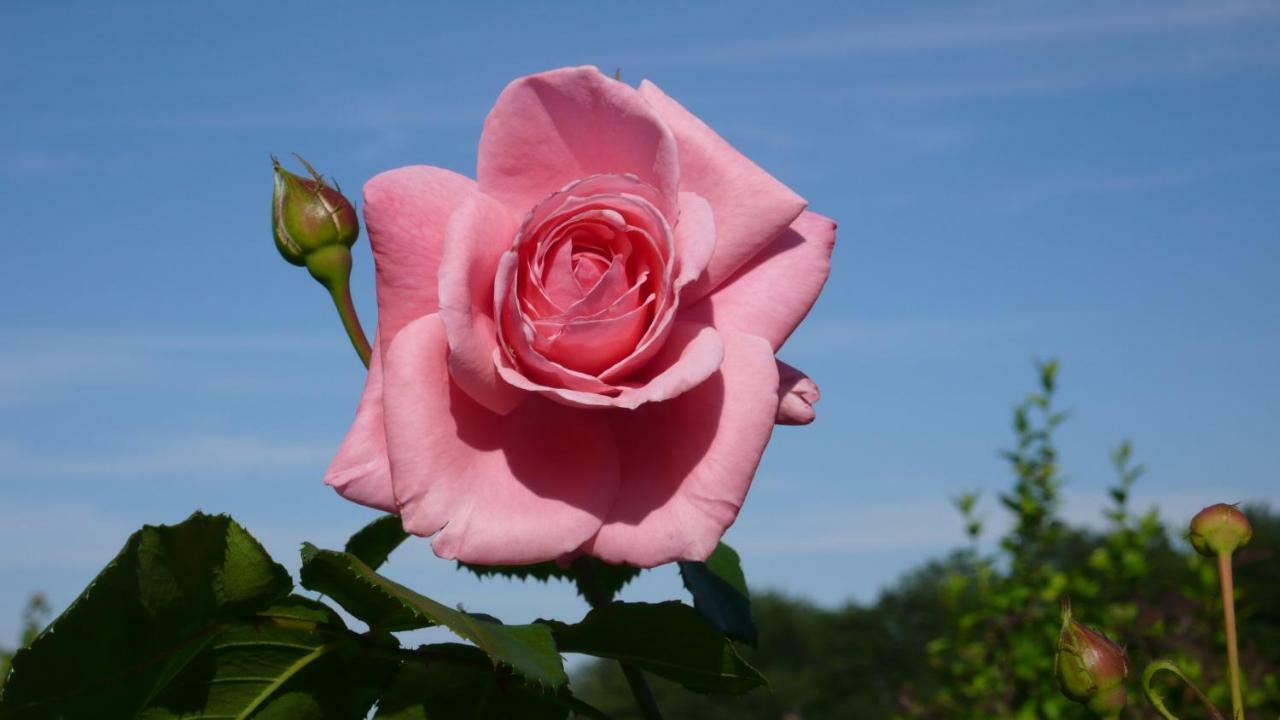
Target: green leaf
{"points": [[294, 660], [459, 681], [387, 605], [149, 612], [668, 639], [374, 542], [597, 581], [719, 591]]}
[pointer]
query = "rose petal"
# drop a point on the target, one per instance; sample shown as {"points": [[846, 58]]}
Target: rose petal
{"points": [[750, 206], [691, 354], [553, 128], [500, 489], [687, 463], [480, 230], [695, 238], [517, 339], [590, 346], [797, 395], [609, 289], [360, 471], [405, 212], [772, 294]]}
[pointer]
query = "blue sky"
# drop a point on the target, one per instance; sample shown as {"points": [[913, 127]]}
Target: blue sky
{"points": [[1093, 181]]}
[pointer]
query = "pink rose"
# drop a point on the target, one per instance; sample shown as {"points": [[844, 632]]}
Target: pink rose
{"points": [[575, 351]]}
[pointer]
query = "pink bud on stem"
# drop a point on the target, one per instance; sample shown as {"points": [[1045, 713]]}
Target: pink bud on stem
{"points": [[1091, 669], [1218, 531]]}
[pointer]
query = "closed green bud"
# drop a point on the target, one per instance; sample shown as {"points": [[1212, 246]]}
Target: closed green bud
{"points": [[307, 215], [1091, 669], [1220, 528], [315, 226]]}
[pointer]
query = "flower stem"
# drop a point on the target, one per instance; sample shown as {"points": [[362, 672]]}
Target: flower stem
{"points": [[331, 267], [1229, 622], [341, 294], [596, 596], [1158, 703], [640, 689]]}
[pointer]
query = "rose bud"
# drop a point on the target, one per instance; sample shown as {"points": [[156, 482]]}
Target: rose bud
{"points": [[315, 226], [308, 217], [1091, 669], [1218, 529]]}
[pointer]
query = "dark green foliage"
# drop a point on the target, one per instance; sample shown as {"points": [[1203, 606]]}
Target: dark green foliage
{"points": [[387, 605], [292, 660], [468, 687], [843, 663], [192, 620], [719, 591], [375, 542], [596, 581], [669, 639]]}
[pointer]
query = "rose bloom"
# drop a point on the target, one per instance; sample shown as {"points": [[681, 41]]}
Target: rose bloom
{"points": [[575, 350]]}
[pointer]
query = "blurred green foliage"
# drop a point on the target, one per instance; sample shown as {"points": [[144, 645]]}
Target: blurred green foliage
{"points": [[34, 617], [972, 636]]}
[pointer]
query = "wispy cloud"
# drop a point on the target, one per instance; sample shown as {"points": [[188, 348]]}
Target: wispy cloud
{"points": [[48, 533], [191, 455], [993, 27], [907, 337], [34, 364]]}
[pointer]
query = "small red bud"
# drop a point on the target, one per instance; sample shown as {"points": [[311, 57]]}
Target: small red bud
{"points": [[1218, 529], [1091, 669]]}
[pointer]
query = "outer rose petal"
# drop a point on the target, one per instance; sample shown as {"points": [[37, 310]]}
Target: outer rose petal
{"points": [[360, 471], [500, 489], [550, 129], [477, 234], [797, 395], [750, 206], [687, 463], [405, 211], [772, 294]]}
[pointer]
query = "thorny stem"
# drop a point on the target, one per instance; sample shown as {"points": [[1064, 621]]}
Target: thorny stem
{"points": [[1229, 622]]}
